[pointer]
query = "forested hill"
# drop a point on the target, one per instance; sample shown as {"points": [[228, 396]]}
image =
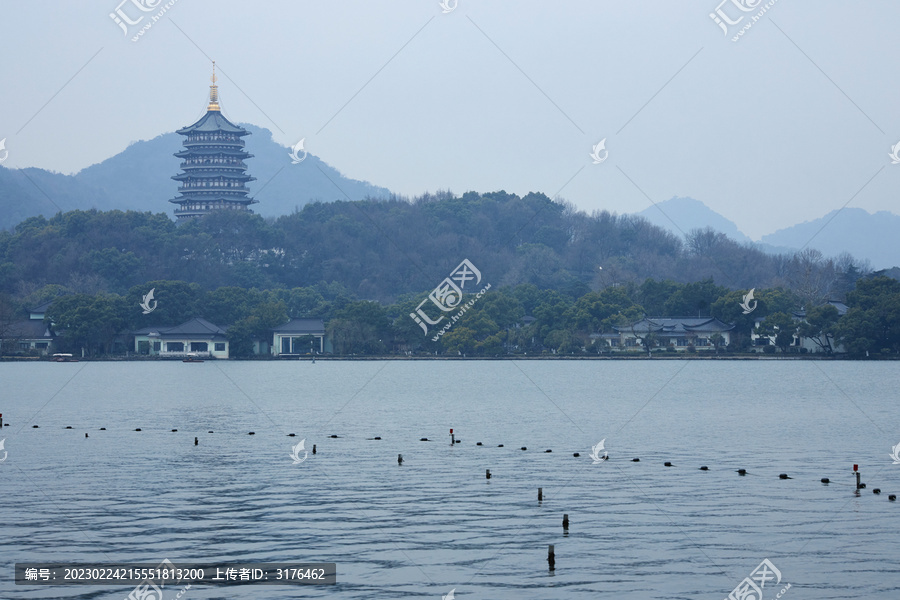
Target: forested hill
{"points": [[382, 249], [280, 186]]}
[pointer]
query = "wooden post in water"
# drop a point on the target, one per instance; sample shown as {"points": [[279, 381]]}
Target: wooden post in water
{"points": [[540, 494], [856, 470], [566, 522], [487, 473], [196, 441], [399, 459], [314, 448], [551, 558]]}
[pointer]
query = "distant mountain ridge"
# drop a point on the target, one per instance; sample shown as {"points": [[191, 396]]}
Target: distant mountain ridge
{"points": [[854, 230], [875, 237], [680, 215], [139, 178]]}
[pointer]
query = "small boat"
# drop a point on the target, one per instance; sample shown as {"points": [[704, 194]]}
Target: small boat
{"points": [[64, 358], [192, 359]]}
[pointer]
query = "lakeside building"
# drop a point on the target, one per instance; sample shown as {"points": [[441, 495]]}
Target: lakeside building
{"points": [[204, 339], [197, 336], [297, 336], [761, 341], [29, 335], [679, 333], [213, 173]]}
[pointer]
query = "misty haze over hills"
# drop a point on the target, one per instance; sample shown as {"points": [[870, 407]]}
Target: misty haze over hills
{"points": [[139, 178], [875, 237]]}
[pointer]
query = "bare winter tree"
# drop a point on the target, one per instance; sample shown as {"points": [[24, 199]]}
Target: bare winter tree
{"points": [[810, 276]]}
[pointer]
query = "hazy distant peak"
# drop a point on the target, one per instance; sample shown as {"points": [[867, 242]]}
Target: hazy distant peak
{"points": [[689, 213]]}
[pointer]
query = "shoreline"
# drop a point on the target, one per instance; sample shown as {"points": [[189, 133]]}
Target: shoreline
{"points": [[460, 358]]}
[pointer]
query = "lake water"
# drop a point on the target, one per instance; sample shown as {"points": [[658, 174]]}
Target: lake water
{"points": [[637, 529]]}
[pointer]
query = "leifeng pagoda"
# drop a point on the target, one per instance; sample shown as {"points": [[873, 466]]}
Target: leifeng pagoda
{"points": [[213, 171]]}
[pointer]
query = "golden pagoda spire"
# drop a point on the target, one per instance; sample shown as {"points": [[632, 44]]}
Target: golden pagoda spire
{"points": [[213, 91]]}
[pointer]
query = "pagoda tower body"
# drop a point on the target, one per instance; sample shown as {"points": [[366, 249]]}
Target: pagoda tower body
{"points": [[213, 173]]}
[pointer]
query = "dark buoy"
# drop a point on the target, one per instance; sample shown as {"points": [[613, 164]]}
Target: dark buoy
{"points": [[825, 480], [399, 459], [635, 460], [174, 430], [459, 441], [862, 486], [376, 437], [704, 468], [783, 476], [566, 522], [499, 445], [314, 448], [524, 448], [103, 429], [576, 455], [545, 451], [196, 441], [292, 435], [68, 427], [85, 435], [138, 429], [34, 426], [251, 433], [423, 439], [551, 558], [540, 494], [333, 436], [210, 431], [487, 473], [668, 464], [477, 443], [742, 471], [876, 491], [892, 497]]}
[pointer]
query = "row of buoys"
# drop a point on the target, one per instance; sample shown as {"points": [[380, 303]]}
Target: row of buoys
{"points": [[741, 472]]}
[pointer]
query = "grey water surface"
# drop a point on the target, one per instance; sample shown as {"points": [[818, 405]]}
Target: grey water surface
{"points": [[435, 523]]}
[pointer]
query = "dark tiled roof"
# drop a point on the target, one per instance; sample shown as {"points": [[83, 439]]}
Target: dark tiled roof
{"points": [[676, 325], [840, 306], [42, 308], [195, 328], [213, 121], [32, 329], [302, 327]]}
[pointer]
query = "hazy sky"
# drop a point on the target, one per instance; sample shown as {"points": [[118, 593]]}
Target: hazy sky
{"points": [[793, 120]]}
